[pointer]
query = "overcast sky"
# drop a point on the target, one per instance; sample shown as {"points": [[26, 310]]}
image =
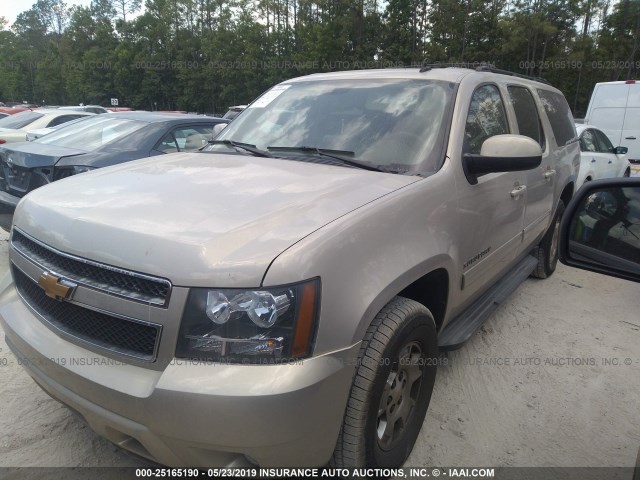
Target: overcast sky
{"points": [[12, 8]]}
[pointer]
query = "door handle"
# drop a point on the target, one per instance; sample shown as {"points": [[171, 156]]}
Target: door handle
{"points": [[629, 138], [548, 175], [610, 161], [518, 190]]}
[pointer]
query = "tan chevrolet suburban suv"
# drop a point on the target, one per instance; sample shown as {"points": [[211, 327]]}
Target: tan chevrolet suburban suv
{"points": [[280, 298]]}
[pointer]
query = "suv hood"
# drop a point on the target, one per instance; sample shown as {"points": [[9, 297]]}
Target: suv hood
{"points": [[198, 219]]}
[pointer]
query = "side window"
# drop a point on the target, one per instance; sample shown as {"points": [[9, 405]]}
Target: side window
{"points": [[167, 144], [192, 138], [485, 119], [527, 114], [588, 142], [605, 145], [560, 117], [62, 119]]}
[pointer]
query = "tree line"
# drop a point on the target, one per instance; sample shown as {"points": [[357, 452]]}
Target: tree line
{"points": [[205, 55]]}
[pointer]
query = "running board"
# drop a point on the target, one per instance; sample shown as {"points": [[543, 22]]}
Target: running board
{"points": [[461, 328]]}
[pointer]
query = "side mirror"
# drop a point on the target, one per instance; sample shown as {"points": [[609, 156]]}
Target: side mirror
{"points": [[600, 230], [502, 153], [217, 128], [620, 150]]}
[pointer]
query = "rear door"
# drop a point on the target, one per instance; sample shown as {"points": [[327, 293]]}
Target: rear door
{"points": [[561, 130]]}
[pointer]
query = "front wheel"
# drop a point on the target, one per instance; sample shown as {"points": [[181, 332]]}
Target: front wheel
{"points": [[391, 388], [547, 251]]}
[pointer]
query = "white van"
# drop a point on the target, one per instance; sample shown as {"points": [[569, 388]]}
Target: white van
{"points": [[615, 109]]}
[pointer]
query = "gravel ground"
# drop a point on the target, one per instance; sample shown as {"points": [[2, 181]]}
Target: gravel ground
{"points": [[552, 379]]}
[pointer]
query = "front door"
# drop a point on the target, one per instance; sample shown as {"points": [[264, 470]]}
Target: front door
{"points": [[492, 210]]}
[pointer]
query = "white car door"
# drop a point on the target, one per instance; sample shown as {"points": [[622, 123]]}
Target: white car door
{"points": [[591, 164], [612, 164]]}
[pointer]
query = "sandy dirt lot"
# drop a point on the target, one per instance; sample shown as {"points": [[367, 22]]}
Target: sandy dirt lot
{"points": [[552, 379]]}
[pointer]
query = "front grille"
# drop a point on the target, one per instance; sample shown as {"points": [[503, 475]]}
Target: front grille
{"points": [[130, 285], [120, 335]]}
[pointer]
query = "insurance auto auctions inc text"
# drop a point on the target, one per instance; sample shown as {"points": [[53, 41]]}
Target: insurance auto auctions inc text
{"points": [[347, 472]]}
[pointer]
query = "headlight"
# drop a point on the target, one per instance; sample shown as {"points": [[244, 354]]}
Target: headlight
{"points": [[64, 172], [250, 326]]}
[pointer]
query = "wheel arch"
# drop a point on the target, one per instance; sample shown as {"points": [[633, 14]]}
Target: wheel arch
{"points": [[567, 193], [432, 291], [427, 284]]}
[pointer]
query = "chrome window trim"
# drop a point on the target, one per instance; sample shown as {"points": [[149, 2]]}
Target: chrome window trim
{"points": [[98, 265]]}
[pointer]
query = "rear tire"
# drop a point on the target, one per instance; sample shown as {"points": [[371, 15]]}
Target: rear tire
{"points": [[547, 251], [391, 388]]}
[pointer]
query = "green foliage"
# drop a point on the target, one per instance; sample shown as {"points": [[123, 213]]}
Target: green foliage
{"points": [[204, 55]]}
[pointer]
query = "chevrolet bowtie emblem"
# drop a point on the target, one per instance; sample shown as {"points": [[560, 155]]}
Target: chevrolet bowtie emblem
{"points": [[53, 287]]}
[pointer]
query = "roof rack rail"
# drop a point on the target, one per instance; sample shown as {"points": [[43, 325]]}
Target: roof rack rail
{"points": [[482, 67], [487, 68], [425, 67]]}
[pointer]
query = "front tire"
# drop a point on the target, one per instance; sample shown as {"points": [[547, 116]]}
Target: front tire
{"points": [[547, 251], [391, 388]]}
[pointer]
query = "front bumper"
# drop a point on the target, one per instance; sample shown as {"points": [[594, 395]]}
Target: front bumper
{"points": [[189, 414]]}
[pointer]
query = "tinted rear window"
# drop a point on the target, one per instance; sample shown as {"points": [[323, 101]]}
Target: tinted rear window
{"points": [[526, 113], [20, 120], [559, 115]]}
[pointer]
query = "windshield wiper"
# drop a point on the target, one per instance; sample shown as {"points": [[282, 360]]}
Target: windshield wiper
{"points": [[242, 146], [336, 155]]}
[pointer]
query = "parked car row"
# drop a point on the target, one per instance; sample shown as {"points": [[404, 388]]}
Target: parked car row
{"points": [[94, 142], [8, 110], [614, 108], [14, 128]]}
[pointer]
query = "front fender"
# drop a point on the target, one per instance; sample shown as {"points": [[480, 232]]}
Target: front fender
{"points": [[370, 255]]}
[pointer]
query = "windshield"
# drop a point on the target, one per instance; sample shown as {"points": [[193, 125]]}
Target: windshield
{"points": [[382, 122], [20, 120], [91, 133]]}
